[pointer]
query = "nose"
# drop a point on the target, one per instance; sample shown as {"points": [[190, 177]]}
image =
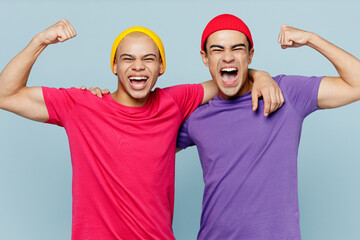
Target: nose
{"points": [[138, 65], [228, 56]]}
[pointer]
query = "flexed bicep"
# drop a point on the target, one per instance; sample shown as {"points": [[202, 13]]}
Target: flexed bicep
{"points": [[335, 92], [28, 103]]}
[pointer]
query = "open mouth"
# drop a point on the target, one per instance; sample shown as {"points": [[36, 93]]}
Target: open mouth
{"points": [[228, 75], [138, 82]]}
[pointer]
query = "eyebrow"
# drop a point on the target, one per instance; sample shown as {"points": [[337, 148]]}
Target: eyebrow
{"points": [[216, 46], [233, 46], [238, 45], [150, 54], [129, 55]]}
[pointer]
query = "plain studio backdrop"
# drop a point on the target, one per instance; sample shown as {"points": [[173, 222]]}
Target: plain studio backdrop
{"points": [[35, 164]]}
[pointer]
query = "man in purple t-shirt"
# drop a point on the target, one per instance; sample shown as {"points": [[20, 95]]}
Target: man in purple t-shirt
{"points": [[250, 169]]}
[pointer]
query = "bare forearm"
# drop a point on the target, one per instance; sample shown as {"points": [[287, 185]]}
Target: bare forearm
{"points": [[15, 75], [346, 65], [210, 90]]}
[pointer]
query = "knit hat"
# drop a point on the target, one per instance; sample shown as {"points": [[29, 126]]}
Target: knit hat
{"points": [[225, 22], [148, 32]]}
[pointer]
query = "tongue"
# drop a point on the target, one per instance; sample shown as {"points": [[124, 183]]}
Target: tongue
{"points": [[228, 77], [138, 82]]}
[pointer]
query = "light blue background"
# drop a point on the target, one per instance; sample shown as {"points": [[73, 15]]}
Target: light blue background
{"points": [[35, 166]]}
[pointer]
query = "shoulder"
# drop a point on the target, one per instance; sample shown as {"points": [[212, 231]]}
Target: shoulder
{"points": [[53, 90], [297, 82], [288, 79], [73, 94], [71, 91]]}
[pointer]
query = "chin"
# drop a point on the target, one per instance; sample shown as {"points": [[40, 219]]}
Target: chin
{"points": [[231, 92], [140, 95]]}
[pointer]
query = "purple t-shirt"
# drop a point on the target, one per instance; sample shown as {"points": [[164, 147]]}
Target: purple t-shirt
{"points": [[249, 162]]}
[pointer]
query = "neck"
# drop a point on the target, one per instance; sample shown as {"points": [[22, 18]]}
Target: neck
{"points": [[124, 99], [245, 88]]}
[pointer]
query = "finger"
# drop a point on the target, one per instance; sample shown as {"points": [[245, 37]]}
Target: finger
{"points": [[282, 39], [267, 102], [282, 99], [61, 31], [281, 35], [98, 92], [278, 98], [255, 99], [92, 90], [288, 39], [105, 91], [82, 88], [64, 32], [273, 102], [290, 42], [72, 31], [67, 31], [62, 35], [70, 28]]}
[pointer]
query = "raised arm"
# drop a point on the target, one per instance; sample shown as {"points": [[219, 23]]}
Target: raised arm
{"points": [[334, 91], [14, 95]]}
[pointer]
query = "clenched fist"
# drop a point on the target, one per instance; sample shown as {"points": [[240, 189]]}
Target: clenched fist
{"points": [[293, 37], [59, 32]]}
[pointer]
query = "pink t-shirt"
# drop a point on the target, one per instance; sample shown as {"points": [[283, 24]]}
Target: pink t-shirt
{"points": [[123, 160]]}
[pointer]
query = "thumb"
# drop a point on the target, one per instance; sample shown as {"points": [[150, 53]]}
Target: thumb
{"points": [[61, 38]]}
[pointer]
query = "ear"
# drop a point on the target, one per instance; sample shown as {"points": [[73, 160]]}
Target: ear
{"points": [[251, 54], [204, 58], [161, 68], [115, 67]]}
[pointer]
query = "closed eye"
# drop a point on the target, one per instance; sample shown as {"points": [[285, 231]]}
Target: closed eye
{"points": [[238, 49], [127, 59], [149, 59], [216, 50]]}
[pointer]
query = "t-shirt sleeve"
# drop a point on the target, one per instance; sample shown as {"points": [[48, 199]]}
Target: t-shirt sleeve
{"points": [[59, 104], [187, 96], [183, 139], [301, 92]]}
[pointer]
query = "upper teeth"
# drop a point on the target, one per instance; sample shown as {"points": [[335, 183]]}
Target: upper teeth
{"points": [[228, 69], [138, 78]]}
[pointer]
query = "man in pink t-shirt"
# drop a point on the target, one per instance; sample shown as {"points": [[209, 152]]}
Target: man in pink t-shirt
{"points": [[122, 145]]}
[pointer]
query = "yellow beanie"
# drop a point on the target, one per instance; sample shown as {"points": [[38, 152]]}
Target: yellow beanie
{"points": [[148, 32]]}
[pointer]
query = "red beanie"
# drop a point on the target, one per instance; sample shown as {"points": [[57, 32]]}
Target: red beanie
{"points": [[225, 22]]}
